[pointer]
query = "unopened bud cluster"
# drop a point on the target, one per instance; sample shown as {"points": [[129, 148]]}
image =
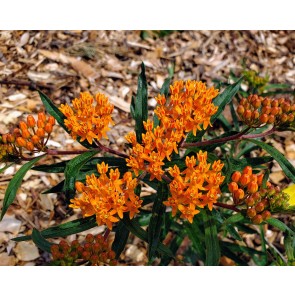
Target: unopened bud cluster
{"points": [[256, 111], [31, 136], [247, 189], [95, 251]]}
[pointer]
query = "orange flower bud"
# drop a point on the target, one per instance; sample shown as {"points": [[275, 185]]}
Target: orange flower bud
{"points": [[245, 179], [26, 134], [236, 176], [247, 114], [23, 125], [284, 118], [265, 202], [21, 142], [17, 132], [253, 177], [286, 107], [260, 179], [255, 115], [266, 215], [48, 128], [4, 138], [250, 201], [281, 100], [290, 118], [266, 101], [31, 121], [239, 194], [240, 109], [10, 138], [243, 101], [263, 118], [274, 111], [248, 170], [89, 238], [233, 186], [271, 119], [40, 132], [41, 116], [257, 219], [40, 123], [256, 196], [259, 207], [251, 212], [256, 103], [266, 110], [30, 146], [35, 139], [275, 103], [252, 187], [51, 120]]}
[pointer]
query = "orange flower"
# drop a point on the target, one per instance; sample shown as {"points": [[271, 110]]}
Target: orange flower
{"points": [[108, 197], [196, 186], [87, 120], [189, 107]]}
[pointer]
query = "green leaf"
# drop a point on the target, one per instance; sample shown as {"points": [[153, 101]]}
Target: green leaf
{"points": [[156, 221], [72, 170], [61, 166], [233, 232], [211, 239], [135, 228], [141, 104], [15, 183], [40, 242], [239, 164], [280, 225], [287, 167], [121, 238], [230, 254], [289, 243], [65, 229], [53, 110], [196, 236], [233, 219]]}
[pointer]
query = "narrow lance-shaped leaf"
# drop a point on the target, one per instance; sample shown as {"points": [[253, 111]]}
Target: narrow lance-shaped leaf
{"points": [[135, 228], [65, 229], [40, 241], [141, 104], [287, 167], [121, 237], [211, 239], [72, 169], [156, 221], [15, 183]]}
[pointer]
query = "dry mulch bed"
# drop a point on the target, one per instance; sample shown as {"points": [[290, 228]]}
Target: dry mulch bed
{"points": [[64, 63]]}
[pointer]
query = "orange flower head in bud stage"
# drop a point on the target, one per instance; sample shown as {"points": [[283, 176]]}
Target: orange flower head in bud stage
{"points": [[29, 137], [107, 196], [195, 187], [89, 118]]}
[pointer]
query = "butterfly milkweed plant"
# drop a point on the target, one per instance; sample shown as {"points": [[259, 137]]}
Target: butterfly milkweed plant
{"points": [[209, 188]]}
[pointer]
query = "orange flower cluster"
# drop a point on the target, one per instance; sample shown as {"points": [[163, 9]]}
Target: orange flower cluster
{"points": [[31, 136], [246, 188], [86, 120], [256, 111], [197, 186], [94, 252], [108, 197], [190, 105]]}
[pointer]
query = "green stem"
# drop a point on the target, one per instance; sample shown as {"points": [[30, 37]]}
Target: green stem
{"points": [[227, 206]]}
